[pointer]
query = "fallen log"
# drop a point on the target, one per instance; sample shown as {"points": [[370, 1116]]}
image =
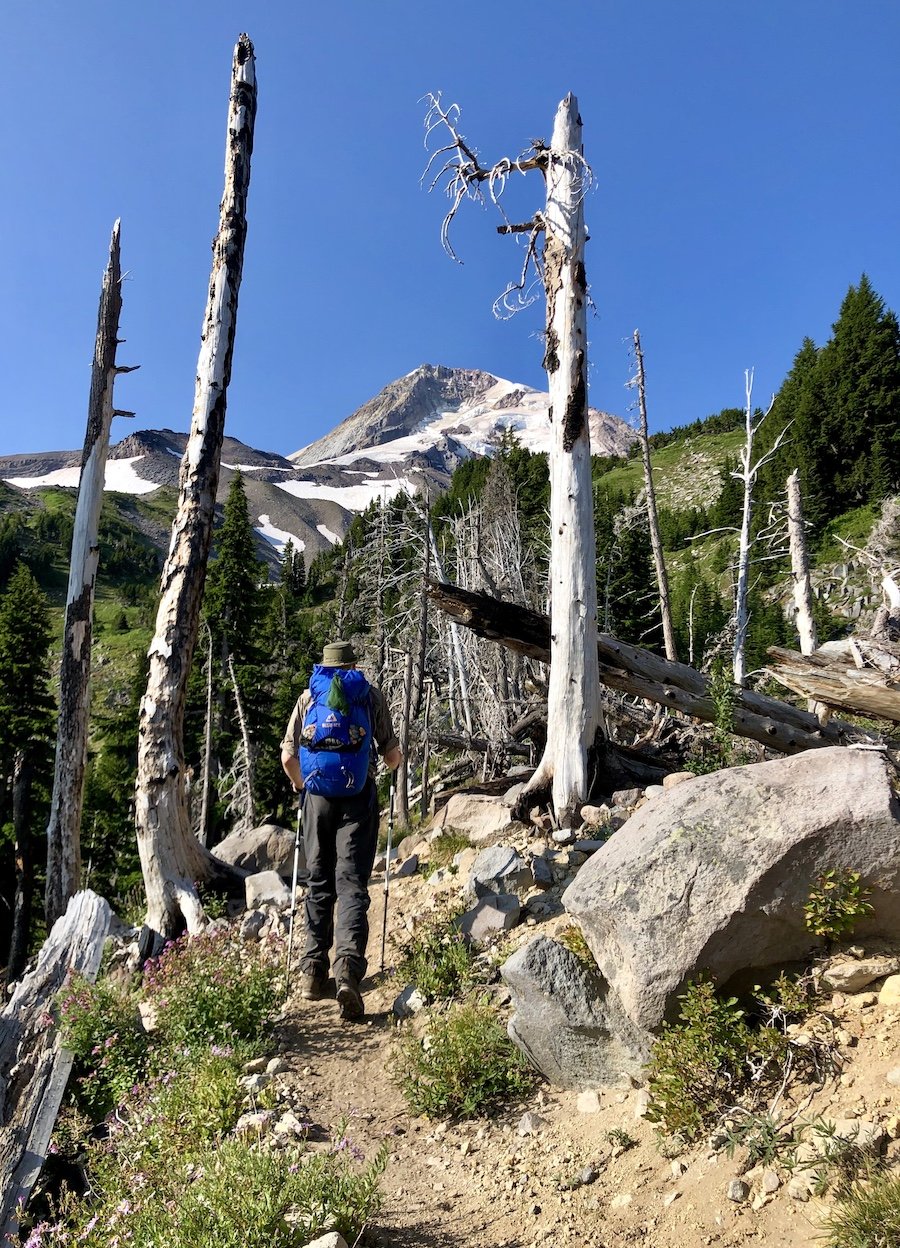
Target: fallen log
{"points": [[641, 673], [480, 745], [838, 680], [33, 1066]]}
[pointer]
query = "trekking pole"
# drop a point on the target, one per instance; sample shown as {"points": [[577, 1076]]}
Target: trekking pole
{"points": [[287, 976], [387, 872]]}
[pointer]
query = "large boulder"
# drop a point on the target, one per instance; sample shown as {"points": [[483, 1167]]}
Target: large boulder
{"points": [[499, 869], [713, 875], [266, 848], [480, 817], [567, 1021]]}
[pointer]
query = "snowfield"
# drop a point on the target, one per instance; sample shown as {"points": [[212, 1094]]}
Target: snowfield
{"points": [[120, 476]]}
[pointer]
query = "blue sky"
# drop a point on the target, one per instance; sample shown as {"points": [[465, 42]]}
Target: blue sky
{"points": [[747, 165]]}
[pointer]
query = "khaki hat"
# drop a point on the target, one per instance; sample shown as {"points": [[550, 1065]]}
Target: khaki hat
{"points": [[338, 653]]}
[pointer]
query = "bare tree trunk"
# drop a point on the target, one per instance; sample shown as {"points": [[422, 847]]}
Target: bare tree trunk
{"points": [[426, 754], [459, 662], [573, 716], [402, 785], [806, 626], [24, 859], [206, 779], [246, 781], [662, 579], [64, 827], [172, 859]]}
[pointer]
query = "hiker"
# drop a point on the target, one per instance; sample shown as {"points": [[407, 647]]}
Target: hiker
{"points": [[328, 753]]}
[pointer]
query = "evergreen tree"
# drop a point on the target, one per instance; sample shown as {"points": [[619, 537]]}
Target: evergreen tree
{"points": [[232, 597], [26, 749]]}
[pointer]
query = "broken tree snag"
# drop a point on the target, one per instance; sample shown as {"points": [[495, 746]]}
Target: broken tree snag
{"points": [[803, 617], [63, 830], [172, 859], [632, 670], [573, 710], [834, 677], [659, 563], [33, 1068]]}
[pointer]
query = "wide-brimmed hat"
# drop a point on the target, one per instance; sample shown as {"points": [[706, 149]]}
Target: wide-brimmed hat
{"points": [[338, 653]]}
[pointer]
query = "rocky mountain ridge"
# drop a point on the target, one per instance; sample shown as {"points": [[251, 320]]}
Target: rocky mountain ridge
{"points": [[415, 432]]}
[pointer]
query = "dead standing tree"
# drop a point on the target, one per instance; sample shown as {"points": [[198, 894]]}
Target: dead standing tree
{"points": [[573, 702], [662, 579], [63, 830], [172, 858]]}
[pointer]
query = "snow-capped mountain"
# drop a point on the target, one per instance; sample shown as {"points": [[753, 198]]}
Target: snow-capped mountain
{"points": [[416, 430]]}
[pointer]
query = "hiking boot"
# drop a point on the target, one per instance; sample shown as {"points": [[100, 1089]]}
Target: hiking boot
{"points": [[313, 986], [350, 999]]}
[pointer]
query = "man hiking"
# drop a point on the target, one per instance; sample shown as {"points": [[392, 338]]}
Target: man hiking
{"points": [[328, 753]]}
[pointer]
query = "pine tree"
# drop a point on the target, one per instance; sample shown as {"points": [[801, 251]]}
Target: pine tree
{"points": [[26, 746]]}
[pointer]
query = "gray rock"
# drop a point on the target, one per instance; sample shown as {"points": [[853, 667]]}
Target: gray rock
{"points": [[588, 1175], [408, 867], [738, 1190], [595, 816], [254, 1123], [893, 1077], [266, 848], [331, 1240], [512, 795], [266, 888], [531, 1124], [563, 836], [849, 975], [654, 790], [490, 915], [408, 1002], [714, 874], [252, 924], [541, 874], [567, 1021], [498, 870], [627, 799], [770, 1182], [589, 846], [415, 843], [480, 817]]}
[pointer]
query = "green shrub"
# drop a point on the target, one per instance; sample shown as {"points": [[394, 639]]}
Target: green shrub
{"points": [[212, 988], [836, 904], [714, 1059], [232, 1195], [100, 1024], [572, 938], [465, 1064], [444, 848], [868, 1215], [437, 960]]}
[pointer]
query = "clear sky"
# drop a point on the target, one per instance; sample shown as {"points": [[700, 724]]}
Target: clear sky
{"points": [[747, 164]]}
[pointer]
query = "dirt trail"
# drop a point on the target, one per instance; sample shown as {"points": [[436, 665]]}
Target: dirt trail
{"points": [[483, 1183]]}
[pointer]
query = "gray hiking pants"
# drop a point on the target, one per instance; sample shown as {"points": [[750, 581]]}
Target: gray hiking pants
{"points": [[339, 836]]}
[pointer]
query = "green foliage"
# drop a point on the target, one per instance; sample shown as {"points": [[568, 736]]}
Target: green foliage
{"points": [[211, 988], [437, 960], [620, 1139], [759, 1134], [100, 1024], [572, 938], [444, 848], [836, 904], [868, 1215], [717, 1058], [465, 1065]]}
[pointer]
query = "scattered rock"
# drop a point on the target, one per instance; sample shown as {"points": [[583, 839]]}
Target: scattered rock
{"points": [[541, 875], [415, 843], [499, 870], [331, 1240], [653, 790], [409, 1002], [266, 888], [848, 975], [266, 848], [489, 916], [480, 817], [890, 991], [255, 1083], [670, 1199], [588, 1102], [595, 816], [148, 1015], [408, 867], [676, 778], [771, 1181], [277, 1066], [256, 1066], [289, 1125], [563, 836], [531, 1123], [253, 1124], [893, 1077], [252, 924], [641, 1102], [622, 1201], [738, 1190], [677, 1168], [627, 799], [800, 1187], [588, 1175]]}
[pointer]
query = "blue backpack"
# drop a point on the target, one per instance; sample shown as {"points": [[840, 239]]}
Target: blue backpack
{"points": [[337, 733]]}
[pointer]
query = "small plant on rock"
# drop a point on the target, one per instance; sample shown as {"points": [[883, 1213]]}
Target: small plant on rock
{"points": [[444, 848], [836, 904], [572, 937], [464, 1065], [620, 1139]]}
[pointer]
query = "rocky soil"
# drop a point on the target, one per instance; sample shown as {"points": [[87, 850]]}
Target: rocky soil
{"points": [[568, 1168]]}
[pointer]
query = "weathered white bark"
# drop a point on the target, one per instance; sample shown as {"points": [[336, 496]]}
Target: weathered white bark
{"points": [[171, 858], [659, 563], [573, 705], [245, 779], [64, 827], [806, 626], [458, 658], [33, 1067], [206, 778]]}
